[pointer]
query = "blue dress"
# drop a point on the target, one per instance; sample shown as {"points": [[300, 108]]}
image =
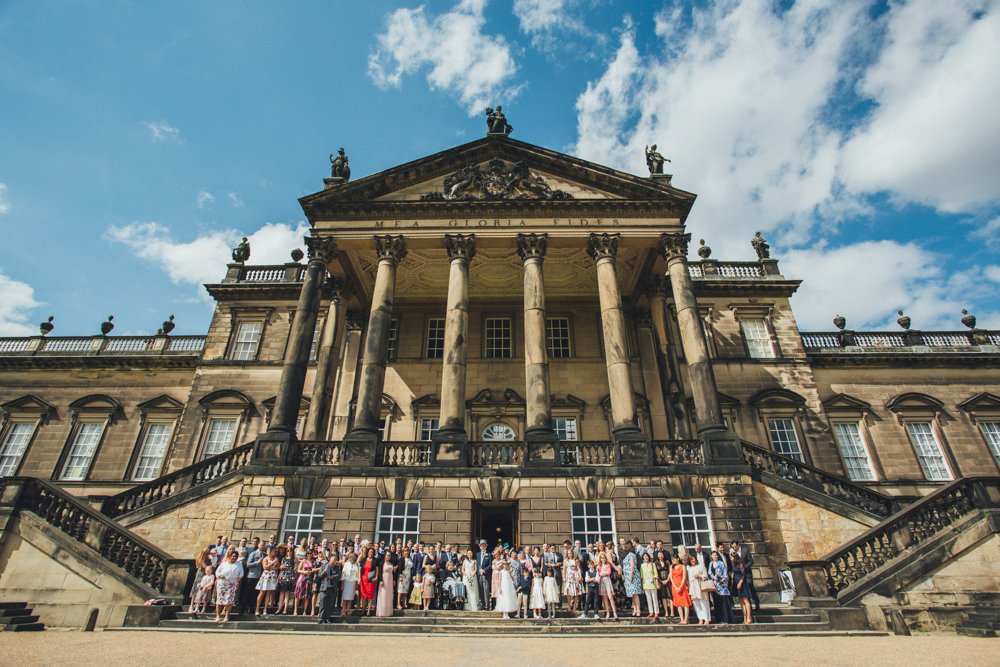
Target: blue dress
{"points": [[631, 575], [720, 576], [739, 575]]}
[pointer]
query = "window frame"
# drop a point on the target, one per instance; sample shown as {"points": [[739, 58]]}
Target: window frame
{"points": [[696, 532], [405, 534], [930, 424], [432, 322], [586, 535], [141, 444], [863, 435], [570, 348], [285, 513], [392, 343], [78, 427], [92, 409], [486, 339], [236, 342], [5, 433], [994, 448], [795, 431], [757, 311]]}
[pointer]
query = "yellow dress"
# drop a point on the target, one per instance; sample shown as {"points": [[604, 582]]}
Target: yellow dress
{"points": [[415, 595]]}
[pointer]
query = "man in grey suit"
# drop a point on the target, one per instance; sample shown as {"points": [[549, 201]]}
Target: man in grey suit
{"points": [[328, 584]]}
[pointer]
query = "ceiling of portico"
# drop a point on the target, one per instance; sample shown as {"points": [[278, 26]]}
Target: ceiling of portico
{"points": [[497, 272]]}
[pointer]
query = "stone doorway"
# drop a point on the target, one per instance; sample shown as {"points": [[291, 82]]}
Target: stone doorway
{"points": [[496, 523]]}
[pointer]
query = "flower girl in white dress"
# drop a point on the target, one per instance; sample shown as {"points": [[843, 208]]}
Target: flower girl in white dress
{"points": [[507, 599]]}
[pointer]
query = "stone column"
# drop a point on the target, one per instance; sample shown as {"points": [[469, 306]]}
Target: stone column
{"points": [[654, 385], [451, 443], [362, 442], [542, 442], [655, 288], [344, 392], [633, 443], [273, 445], [338, 291], [674, 247]]}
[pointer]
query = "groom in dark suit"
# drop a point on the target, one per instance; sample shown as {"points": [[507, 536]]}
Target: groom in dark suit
{"points": [[485, 562]]}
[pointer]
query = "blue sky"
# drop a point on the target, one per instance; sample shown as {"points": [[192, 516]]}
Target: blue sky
{"points": [[138, 142]]}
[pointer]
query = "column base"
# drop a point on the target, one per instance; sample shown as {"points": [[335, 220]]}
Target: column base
{"points": [[451, 448], [273, 447], [633, 446], [541, 447], [361, 448], [721, 447]]}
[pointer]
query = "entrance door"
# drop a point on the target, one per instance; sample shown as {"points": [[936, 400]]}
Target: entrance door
{"points": [[496, 523]]}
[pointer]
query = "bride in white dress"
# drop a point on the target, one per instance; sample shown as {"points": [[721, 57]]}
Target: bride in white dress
{"points": [[470, 575], [507, 599]]}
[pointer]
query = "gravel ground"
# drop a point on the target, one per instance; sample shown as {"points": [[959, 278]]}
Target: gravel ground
{"points": [[174, 649]]}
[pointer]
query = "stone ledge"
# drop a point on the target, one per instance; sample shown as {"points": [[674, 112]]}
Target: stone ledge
{"points": [[184, 497]]}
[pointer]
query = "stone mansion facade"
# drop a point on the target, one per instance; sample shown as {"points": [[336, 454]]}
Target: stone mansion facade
{"points": [[500, 341]]}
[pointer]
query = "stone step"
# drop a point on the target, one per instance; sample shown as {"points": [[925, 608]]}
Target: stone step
{"points": [[18, 620], [981, 625], [975, 632], [484, 619], [13, 605], [15, 611], [765, 612], [24, 627], [986, 618]]}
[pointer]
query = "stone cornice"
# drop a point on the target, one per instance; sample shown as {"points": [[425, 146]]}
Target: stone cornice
{"points": [[905, 360], [255, 291], [137, 362], [755, 287]]}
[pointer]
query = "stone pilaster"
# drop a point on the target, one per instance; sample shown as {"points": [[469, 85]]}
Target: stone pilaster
{"points": [[337, 291], [451, 443], [633, 443], [344, 391], [656, 288], [362, 442], [542, 442], [273, 445]]}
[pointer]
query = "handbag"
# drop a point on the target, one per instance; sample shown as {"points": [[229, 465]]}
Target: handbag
{"points": [[709, 586], [372, 576]]}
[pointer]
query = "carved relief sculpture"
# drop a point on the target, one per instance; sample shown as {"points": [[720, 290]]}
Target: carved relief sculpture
{"points": [[392, 248], [498, 182]]}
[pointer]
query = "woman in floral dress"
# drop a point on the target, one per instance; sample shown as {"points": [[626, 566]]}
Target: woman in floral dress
{"points": [[720, 575], [304, 585], [268, 581], [286, 577], [572, 579], [621, 598], [632, 578], [405, 578], [227, 583]]}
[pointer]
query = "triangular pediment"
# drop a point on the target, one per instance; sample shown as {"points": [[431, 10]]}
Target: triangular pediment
{"points": [[577, 180], [983, 401], [161, 403], [845, 402], [28, 404]]}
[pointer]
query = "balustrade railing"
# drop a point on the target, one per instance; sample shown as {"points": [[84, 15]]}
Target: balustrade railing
{"points": [[396, 454], [875, 340], [587, 453], [826, 483], [265, 273], [317, 453], [128, 345], [185, 344], [909, 527], [170, 484], [740, 270], [97, 346], [140, 559], [14, 345], [496, 454], [678, 452]]}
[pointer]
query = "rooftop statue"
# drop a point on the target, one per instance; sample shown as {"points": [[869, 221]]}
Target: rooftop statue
{"points": [[497, 122], [761, 247], [241, 253], [339, 168], [654, 160]]}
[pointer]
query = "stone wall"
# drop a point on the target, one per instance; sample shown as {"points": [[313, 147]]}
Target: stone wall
{"points": [[798, 530], [963, 580]]}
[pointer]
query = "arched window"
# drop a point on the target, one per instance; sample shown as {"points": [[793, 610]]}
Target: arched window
{"points": [[498, 432]]}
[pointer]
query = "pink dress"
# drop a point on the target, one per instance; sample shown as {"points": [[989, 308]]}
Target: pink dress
{"points": [[383, 605]]}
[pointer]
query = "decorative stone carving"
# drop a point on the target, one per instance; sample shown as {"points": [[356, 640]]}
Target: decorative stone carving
{"points": [[46, 327], [654, 160], [339, 167], [967, 320], [169, 325], [338, 288], [604, 245], [903, 320], [761, 247], [355, 320], [297, 255], [653, 286], [241, 253], [392, 248], [531, 245], [704, 251], [461, 246], [498, 182], [497, 123], [674, 245], [321, 249], [643, 318], [106, 327], [839, 322]]}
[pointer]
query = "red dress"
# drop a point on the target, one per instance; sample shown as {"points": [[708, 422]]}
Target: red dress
{"points": [[368, 587]]}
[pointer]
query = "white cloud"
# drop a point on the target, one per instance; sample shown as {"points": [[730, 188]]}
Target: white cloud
{"points": [[204, 259], [473, 66], [162, 131], [203, 197], [16, 299], [4, 206], [868, 282], [545, 19], [236, 200]]}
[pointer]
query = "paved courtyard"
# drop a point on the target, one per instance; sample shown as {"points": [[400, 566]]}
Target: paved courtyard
{"points": [[175, 649]]}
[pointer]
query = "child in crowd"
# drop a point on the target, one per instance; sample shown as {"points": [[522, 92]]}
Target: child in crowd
{"points": [[428, 587], [523, 593], [415, 594], [551, 589], [203, 591], [537, 593], [592, 581]]}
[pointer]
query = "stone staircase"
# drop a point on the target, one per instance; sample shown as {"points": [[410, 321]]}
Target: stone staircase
{"points": [[17, 617], [983, 622], [776, 620]]}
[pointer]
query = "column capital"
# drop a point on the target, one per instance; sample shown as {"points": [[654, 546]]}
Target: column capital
{"points": [[338, 288], [460, 246], [672, 246], [532, 245], [643, 318], [321, 249], [603, 246], [355, 320], [392, 248], [655, 286]]}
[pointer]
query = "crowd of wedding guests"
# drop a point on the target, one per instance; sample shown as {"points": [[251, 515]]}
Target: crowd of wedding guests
{"points": [[313, 578]]}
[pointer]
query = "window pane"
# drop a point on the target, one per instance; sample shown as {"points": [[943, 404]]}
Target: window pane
{"points": [[303, 519], [928, 451], [557, 336], [852, 448], [154, 446], [690, 524], [13, 447], [247, 336], [428, 427], [435, 339], [757, 338], [393, 337], [784, 438], [991, 431], [398, 520], [82, 451], [498, 338], [592, 522], [220, 436]]}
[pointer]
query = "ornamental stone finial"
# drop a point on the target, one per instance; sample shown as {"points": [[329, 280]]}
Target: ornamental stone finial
{"points": [[106, 327], [321, 249], [46, 327], [602, 246], [392, 248], [460, 246], [903, 320], [704, 251], [967, 320], [297, 255], [674, 245], [168, 325], [839, 322], [654, 286], [532, 245]]}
